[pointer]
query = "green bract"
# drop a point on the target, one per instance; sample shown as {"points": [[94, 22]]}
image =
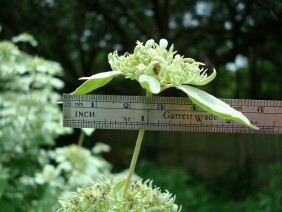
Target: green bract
{"points": [[157, 69]]}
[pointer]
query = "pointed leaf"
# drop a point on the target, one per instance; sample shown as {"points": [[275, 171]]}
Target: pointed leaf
{"points": [[96, 81], [102, 75], [88, 131], [214, 105], [149, 83], [119, 185]]}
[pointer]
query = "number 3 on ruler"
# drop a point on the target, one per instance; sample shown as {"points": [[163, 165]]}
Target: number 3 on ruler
{"points": [[160, 106]]}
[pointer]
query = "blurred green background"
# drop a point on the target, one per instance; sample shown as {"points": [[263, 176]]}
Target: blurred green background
{"points": [[241, 39]]}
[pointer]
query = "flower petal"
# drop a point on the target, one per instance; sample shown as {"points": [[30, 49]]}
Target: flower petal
{"points": [[149, 83], [96, 81], [214, 105]]}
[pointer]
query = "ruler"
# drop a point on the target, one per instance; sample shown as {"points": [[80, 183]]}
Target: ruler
{"points": [[166, 114]]}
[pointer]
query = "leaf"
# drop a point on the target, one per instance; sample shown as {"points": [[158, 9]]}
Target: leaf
{"points": [[149, 83], [214, 105], [88, 131], [3, 184], [96, 81], [119, 185]]}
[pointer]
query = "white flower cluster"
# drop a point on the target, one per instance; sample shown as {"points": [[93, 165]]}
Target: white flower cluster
{"points": [[79, 165], [154, 60], [106, 195]]}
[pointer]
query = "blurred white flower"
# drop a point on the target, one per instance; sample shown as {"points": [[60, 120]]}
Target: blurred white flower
{"points": [[100, 148], [48, 175]]}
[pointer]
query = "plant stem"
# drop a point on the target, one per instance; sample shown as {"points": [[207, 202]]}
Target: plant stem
{"points": [[134, 160], [134, 157], [81, 138]]}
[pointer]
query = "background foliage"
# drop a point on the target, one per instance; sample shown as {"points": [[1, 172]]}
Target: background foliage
{"points": [[195, 195], [244, 33]]}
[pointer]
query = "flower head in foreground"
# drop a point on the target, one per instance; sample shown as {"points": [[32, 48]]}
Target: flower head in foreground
{"points": [[106, 195], [156, 69]]}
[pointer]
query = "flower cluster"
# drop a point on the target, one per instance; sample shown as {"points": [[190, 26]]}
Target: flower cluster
{"points": [[152, 59], [80, 164], [106, 195], [73, 166]]}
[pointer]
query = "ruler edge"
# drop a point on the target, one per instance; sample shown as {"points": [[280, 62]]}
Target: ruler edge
{"points": [[226, 100]]}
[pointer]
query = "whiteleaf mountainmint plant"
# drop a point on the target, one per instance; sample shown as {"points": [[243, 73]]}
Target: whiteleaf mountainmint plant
{"points": [[29, 119], [156, 69]]}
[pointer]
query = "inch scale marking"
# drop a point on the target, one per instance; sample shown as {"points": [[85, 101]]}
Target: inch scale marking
{"points": [[165, 114]]}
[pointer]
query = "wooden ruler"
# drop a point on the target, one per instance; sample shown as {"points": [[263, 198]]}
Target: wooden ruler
{"points": [[166, 114]]}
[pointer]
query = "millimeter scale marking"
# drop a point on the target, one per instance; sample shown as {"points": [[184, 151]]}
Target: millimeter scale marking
{"points": [[166, 114]]}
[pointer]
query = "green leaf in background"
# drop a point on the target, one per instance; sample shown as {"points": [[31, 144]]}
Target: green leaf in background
{"points": [[214, 105], [149, 83], [96, 81], [3, 184]]}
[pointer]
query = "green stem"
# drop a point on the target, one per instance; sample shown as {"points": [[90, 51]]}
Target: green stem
{"points": [[81, 138], [134, 158]]}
